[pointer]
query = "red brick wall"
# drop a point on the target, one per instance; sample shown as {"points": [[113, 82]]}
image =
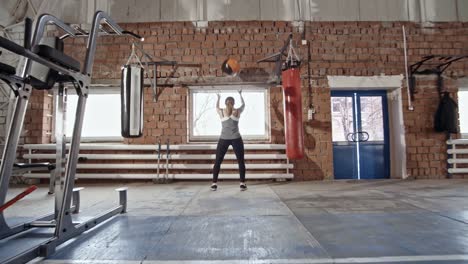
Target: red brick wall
{"points": [[37, 126], [426, 149], [166, 119], [338, 48]]}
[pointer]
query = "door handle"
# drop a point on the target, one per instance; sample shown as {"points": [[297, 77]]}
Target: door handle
{"points": [[361, 136]]}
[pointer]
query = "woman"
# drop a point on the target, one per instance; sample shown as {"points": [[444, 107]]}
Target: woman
{"points": [[230, 136]]}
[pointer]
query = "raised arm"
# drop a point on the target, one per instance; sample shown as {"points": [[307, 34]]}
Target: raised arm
{"points": [[241, 108], [218, 109]]}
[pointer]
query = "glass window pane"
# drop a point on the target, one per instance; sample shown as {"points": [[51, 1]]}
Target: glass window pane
{"points": [[342, 117], [102, 115], [372, 117], [204, 115], [463, 111], [206, 121]]}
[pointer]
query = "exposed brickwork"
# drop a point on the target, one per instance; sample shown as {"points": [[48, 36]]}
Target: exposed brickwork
{"points": [[166, 119], [317, 163], [338, 48], [426, 149], [38, 120]]}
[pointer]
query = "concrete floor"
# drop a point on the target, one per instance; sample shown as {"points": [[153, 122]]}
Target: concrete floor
{"points": [[388, 221]]}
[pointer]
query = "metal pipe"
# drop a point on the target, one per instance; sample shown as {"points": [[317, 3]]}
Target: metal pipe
{"points": [[43, 224], [111, 23], [410, 103], [9, 152], [64, 218], [133, 34], [91, 45], [59, 144], [43, 20]]}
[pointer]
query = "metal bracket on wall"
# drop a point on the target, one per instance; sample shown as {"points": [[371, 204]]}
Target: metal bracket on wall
{"points": [[432, 64], [175, 65], [162, 62], [277, 58]]}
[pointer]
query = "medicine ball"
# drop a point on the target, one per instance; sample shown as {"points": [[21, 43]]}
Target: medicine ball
{"points": [[230, 66]]}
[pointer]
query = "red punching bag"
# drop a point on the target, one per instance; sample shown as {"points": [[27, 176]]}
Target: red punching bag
{"points": [[294, 132]]}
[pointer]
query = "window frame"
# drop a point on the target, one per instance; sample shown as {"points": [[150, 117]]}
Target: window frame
{"points": [[92, 90], [461, 89], [265, 138]]}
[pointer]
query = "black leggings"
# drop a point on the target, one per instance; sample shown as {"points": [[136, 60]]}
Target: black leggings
{"points": [[223, 145]]}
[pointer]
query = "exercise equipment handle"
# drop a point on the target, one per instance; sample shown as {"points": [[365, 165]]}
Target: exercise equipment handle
{"points": [[45, 19], [12, 46], [133, 35], [98, 17]]}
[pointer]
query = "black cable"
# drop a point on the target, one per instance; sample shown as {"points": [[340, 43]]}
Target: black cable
{"points": [[308, 75]]}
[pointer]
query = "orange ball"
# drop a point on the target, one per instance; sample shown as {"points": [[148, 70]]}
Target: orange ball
{"points": [[230, 66]]}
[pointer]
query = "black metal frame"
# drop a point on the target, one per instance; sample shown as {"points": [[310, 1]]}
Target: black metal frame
{"points": [[439, 64], [277, 58], [156, 64]]}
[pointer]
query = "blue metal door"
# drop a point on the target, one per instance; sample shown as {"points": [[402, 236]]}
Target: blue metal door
{"points": [[360, 135]]}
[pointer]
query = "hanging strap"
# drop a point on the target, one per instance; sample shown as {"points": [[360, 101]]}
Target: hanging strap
{"points": [[135, 56], [292, 53]]}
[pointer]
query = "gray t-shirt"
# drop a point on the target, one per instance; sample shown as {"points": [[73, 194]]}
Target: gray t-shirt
{"points": [[230, 123], [230, 128]]}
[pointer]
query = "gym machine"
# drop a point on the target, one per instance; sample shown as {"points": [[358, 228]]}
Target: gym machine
{"points": [[61, 69]]}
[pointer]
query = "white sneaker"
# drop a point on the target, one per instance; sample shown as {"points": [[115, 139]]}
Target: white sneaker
{"points": [[243, 186], [214, 187]]}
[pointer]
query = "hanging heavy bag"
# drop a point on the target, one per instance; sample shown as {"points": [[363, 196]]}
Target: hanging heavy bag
{"points": [[294, 132], [445, 119], [132, 97]]}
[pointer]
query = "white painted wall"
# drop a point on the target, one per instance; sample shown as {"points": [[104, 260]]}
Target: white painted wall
{"points": [[397, 134]]}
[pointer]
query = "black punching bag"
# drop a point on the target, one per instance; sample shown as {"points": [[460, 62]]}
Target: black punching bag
{"points": [[132, 101]]}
